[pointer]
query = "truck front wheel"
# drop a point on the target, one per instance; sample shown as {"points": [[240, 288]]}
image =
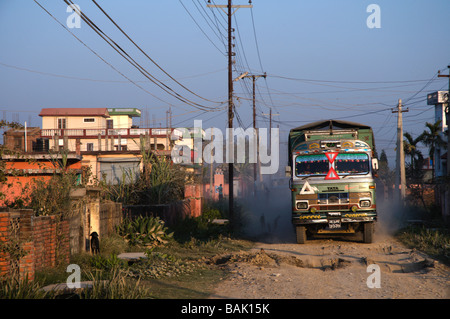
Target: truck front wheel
{"points": [[368, 232], [301, 234]]}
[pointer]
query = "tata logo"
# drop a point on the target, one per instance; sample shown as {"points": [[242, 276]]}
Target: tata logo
{"points": [[333, 188]]}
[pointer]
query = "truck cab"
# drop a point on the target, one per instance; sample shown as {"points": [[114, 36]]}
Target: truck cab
{"points": [[332, 169]]}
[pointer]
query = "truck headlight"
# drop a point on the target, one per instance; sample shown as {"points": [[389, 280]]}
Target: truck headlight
{"points": [[364, 203], [302, 205]]}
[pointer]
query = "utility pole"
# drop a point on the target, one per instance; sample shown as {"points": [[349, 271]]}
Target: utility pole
{"points": [[400, 179], [447, 109], [254, 77], [270, 138], [211, 171], [229, 12]]}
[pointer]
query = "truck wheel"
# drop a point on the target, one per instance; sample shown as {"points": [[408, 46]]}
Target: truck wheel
{"points": [[301, 234], [368, 233]]}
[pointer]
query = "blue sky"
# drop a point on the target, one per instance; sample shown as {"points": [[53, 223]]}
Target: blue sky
{"points": [[318, 55]]}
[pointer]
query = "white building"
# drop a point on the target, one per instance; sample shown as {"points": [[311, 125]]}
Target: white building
{"points": [[439, 100]]}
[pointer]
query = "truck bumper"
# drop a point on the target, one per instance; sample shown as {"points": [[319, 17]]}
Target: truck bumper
{"points": [[325, 218]]}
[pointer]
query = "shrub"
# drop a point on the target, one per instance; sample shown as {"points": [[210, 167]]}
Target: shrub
{"points": [[144, 231]]}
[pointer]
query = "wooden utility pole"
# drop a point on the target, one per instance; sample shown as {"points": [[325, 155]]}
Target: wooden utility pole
{"points": [[400, 179], [229, 12], [447, 109], [270, 139], [254, 77]]}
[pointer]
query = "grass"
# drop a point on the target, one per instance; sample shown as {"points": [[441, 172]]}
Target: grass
{"points": [[201, 282], [175, 268], [432, 241], [173, 271], [197, 285]]}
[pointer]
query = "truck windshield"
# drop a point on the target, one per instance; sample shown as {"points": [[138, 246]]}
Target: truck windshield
{"points": [[345, 164]]}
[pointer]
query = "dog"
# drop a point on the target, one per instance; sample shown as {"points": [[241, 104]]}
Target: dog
{"points": [[95, 243]]}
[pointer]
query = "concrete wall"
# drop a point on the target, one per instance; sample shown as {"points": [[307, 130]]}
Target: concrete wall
{"points": [[74, 122]]}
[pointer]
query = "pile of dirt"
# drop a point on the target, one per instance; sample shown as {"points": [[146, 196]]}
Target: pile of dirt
{"points": [[260, 258], [264, 259]]}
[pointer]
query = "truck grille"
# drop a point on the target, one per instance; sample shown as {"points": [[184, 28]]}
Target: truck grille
{"points": [[333, 199], [333, 207]]}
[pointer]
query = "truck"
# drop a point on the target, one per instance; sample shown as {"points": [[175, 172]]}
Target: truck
{"points": [[332, 166]]}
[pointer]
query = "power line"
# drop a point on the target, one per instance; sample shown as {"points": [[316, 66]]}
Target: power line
{"points": [[95, 80], [146, 55], [201, 29], [343, 82], [130, 60], [96, 54]]}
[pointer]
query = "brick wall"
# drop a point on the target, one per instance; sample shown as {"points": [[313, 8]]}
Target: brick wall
{"points": [[195, 195], [41, 240]]}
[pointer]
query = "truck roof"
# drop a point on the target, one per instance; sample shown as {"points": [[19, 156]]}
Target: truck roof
{"points": [[326, 129], [334, 124]]}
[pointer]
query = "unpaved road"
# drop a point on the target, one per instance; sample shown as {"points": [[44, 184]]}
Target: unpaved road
{"points": [[278, 268], [325, 269]]}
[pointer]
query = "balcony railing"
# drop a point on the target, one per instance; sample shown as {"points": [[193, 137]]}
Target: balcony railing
{"points": [[93, 133]]}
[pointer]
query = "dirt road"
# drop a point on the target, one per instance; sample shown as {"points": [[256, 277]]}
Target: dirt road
{"points": [[333, 269], [323, 268]]}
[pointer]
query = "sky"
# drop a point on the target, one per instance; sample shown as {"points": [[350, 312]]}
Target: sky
{"points": [[321, 60]]}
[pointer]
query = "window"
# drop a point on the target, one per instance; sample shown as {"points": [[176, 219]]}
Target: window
{"points": [[18, 142], [109, 124], [62, 123], [311, 165], [89, 120], [90, 147], [345, 164]]}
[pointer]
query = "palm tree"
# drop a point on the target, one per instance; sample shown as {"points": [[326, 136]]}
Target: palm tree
{"points": [[432, 139], [411, 149]]}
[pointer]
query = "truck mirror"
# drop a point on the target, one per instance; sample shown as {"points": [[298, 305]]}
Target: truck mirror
{"points": [[375, 164], [288, 171]]}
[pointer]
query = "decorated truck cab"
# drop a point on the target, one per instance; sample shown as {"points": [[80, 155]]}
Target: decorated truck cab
{"points": [[332, 165]]}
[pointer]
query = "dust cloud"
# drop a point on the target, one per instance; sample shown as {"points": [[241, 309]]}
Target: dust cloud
{"points": [[267, 214]]}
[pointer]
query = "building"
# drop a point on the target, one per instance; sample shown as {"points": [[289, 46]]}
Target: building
{"points": [[122, 117], [23, 139], [22, 171], [438, 99], [99, 129], [106, 138]]}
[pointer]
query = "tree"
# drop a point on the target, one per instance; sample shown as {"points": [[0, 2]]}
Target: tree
{"points": [[386, 175], [432, 139], [410, 146]]}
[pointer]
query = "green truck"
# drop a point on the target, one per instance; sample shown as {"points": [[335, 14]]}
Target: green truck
{"points": [[332, 166]]}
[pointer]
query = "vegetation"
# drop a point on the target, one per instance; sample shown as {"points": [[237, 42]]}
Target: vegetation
{"points": [[160, 182], [433, 241], [144, 231], [432, 139]]}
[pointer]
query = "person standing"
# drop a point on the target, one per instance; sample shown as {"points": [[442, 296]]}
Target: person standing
{"points": [[220, 191]]}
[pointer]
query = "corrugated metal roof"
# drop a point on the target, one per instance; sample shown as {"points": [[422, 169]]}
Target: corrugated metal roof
{"points": [[103, 111]]}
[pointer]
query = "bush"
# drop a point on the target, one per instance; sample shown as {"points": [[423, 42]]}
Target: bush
{"points": [[144, 231]]}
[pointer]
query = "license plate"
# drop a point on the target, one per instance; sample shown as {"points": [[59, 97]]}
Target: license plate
{"points": [[334, 224]]}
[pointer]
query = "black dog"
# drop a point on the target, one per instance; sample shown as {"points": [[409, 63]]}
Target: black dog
{"points": [[95, 243]]}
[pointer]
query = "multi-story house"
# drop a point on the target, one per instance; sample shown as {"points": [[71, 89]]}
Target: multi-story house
{"points": [[106, 138]]}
